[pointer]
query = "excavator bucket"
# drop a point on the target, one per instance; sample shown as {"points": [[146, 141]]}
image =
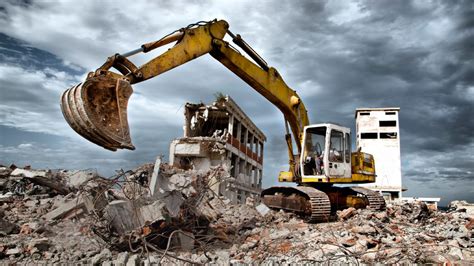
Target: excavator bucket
{"points": [[97, 110]]}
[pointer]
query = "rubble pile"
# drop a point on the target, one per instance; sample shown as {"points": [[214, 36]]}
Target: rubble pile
{"points": [[404, 233], [160, 214], [462, 206]]}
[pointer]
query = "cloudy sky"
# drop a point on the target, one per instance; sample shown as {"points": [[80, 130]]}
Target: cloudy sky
{"points": [[338, 55]]}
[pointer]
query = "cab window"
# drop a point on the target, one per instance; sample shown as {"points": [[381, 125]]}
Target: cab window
{"points": [[347, 152], [336, 149], [313, 151]]}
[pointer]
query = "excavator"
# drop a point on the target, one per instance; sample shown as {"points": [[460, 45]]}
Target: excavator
{"points": [[97, 110]]}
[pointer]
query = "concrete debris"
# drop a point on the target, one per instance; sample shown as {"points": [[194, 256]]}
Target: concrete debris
{"points": [[105, 254], [42, 178], [121, 259], [7, 197], [74, 205], [14, 251], [40, 244], [347, 213], [121, 216], [119, 221], [462, 206], [7, 227], [182, 240], [136, 182], [124, 216], [134, 260], [262, 209], [154, 186], [78, 178], [28, 173]]}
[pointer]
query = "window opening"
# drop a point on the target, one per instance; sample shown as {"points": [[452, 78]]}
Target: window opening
{"points": [[391, 123], [336, 147], [368, 135], [347, 151], [388, 135], [313, 152]]}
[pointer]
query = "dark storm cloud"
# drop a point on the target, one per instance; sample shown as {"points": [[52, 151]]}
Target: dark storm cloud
{"points": [[380, 70], [338, 55], [29, 77], [369, 65], [17, 52]]}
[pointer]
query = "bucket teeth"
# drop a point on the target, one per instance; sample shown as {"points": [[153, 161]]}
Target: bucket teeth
{"points": [[97, 110]]}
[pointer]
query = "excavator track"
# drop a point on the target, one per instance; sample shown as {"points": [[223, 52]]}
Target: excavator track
{"points": [[320, 204], [320, 209], [312, 204], [376, 201]]}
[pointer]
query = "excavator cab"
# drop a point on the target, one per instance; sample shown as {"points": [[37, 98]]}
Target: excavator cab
{"points": [[326, 153]]}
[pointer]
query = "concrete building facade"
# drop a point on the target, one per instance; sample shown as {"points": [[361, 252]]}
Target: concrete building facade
{"points": [[222, 134], [378, 133]]}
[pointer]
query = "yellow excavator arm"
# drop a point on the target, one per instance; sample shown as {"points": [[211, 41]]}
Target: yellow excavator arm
{"points": [[97, 108]]}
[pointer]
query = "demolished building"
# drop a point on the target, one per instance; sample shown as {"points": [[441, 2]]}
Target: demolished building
{"points": [[222, 134]]}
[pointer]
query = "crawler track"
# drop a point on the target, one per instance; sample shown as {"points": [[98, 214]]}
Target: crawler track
{"points": [[320, 204], [310, 203], [315, 205], [376, 201]]}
